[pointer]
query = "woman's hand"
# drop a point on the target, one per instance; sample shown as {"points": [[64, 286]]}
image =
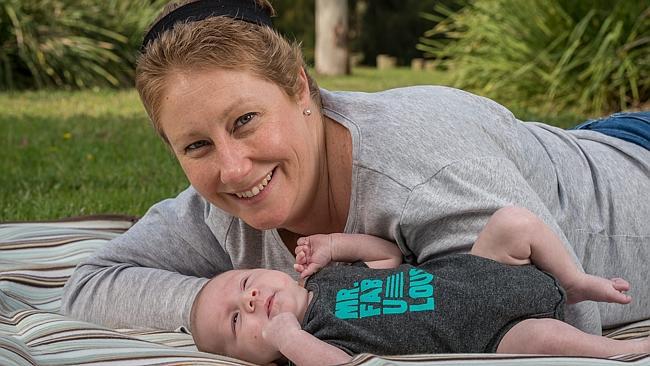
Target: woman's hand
{"points": [[313, 253]]}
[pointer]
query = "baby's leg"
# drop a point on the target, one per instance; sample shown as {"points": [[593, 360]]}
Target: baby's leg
{"points": [[514, 235], [554, 337]]}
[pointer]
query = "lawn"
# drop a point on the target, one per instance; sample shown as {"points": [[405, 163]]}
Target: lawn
{"points": [[93, 152]]}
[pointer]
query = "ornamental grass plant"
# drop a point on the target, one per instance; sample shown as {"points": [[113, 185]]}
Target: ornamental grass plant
{"points": [[71, 43], [592, 57]]}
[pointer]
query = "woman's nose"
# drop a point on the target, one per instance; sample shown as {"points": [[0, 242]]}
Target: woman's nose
{"points": [[249, 299], [233, 164]]}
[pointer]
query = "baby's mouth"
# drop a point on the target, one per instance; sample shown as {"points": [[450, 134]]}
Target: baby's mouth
{"points": [[269, 305]]}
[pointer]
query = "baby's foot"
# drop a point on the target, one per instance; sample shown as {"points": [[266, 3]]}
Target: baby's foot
{"points": [[596, 288]]}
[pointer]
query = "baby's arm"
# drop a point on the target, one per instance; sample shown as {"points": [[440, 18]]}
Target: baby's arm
{"points": [[302, 348], [514, 235], [316, 251]]}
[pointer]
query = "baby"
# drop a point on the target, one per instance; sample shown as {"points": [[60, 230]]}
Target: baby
{"points": [[489, 300]]}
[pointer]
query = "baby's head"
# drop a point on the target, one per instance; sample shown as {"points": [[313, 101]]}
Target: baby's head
{"points": [[233, 308]]}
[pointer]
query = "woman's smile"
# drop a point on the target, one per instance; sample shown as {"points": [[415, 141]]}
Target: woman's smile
{"points": [[257, 188]]}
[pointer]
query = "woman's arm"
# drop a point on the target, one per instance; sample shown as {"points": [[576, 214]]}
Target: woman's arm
{"points": [[149, 276], [316, 251]]}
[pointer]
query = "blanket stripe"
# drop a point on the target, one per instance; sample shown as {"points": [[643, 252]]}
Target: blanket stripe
{"points": [[36, 258]]}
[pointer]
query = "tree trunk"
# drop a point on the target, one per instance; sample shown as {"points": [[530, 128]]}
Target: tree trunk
{"points": [[331, 55]]}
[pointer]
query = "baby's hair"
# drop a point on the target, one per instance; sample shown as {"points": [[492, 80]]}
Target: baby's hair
{"points": [[214, 345]]}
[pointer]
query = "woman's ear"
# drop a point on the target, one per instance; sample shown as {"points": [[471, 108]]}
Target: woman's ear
{"points": [[304, 96]]}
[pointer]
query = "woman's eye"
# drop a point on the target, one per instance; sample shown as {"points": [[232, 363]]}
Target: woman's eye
{"points": [[196, 145], [235, 318], [244, 119]]}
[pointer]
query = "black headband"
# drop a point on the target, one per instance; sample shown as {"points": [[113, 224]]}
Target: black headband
{"points": [[246, 10]]}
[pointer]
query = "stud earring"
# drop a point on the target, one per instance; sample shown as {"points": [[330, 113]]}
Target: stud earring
{"points": [[307, 112]]}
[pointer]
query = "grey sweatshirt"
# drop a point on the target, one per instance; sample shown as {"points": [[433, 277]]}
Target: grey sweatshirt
{"points": [[430, 165]]}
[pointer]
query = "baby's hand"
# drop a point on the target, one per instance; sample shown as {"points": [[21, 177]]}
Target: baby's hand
{"points": [[313, 253], [280, 330]]}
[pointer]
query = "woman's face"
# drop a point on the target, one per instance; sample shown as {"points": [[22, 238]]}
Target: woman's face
{"points": [[244, 144]]}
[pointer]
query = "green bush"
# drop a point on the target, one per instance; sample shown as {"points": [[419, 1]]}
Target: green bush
{"points": [[592, 57], [71, 43]]}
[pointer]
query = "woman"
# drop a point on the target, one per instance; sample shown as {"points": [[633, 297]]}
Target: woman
{"points": [[270, 157]]}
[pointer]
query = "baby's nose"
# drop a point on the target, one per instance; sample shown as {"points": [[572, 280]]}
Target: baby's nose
{"points": [[249, 299]]}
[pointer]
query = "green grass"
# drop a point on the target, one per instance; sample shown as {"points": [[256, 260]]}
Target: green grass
{"points": [[93, 152], [370, 79], [77, 153]]}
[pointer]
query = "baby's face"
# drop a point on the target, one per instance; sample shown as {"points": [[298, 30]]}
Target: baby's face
{"points": [[235, 307]]}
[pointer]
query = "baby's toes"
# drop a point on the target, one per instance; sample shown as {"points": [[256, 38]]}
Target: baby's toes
{"points": [[620, 284], [623, 298]]}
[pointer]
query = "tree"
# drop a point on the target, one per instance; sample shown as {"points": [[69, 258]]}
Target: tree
{"points": [[332, 56]]}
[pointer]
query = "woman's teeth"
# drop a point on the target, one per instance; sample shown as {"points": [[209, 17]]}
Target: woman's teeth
{"points": [[257, 189]]}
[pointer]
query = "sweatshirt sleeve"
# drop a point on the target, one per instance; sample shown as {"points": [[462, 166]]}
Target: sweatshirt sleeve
{"points": [[149, 276], [446, 213]]}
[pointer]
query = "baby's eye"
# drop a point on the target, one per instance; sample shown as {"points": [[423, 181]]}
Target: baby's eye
{"points": [[243, 285], [235, 319], [196, 145], [244, 119]]}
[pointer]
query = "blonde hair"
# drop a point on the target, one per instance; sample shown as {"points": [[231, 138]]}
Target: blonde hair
{"points": [[218, 42]]}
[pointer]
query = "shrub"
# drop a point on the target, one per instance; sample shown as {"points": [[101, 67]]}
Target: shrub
{"points": [[71, 43], [592, 57]]}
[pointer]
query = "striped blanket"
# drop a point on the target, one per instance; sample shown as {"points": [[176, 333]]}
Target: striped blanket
{"points": [[36, 259]]}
